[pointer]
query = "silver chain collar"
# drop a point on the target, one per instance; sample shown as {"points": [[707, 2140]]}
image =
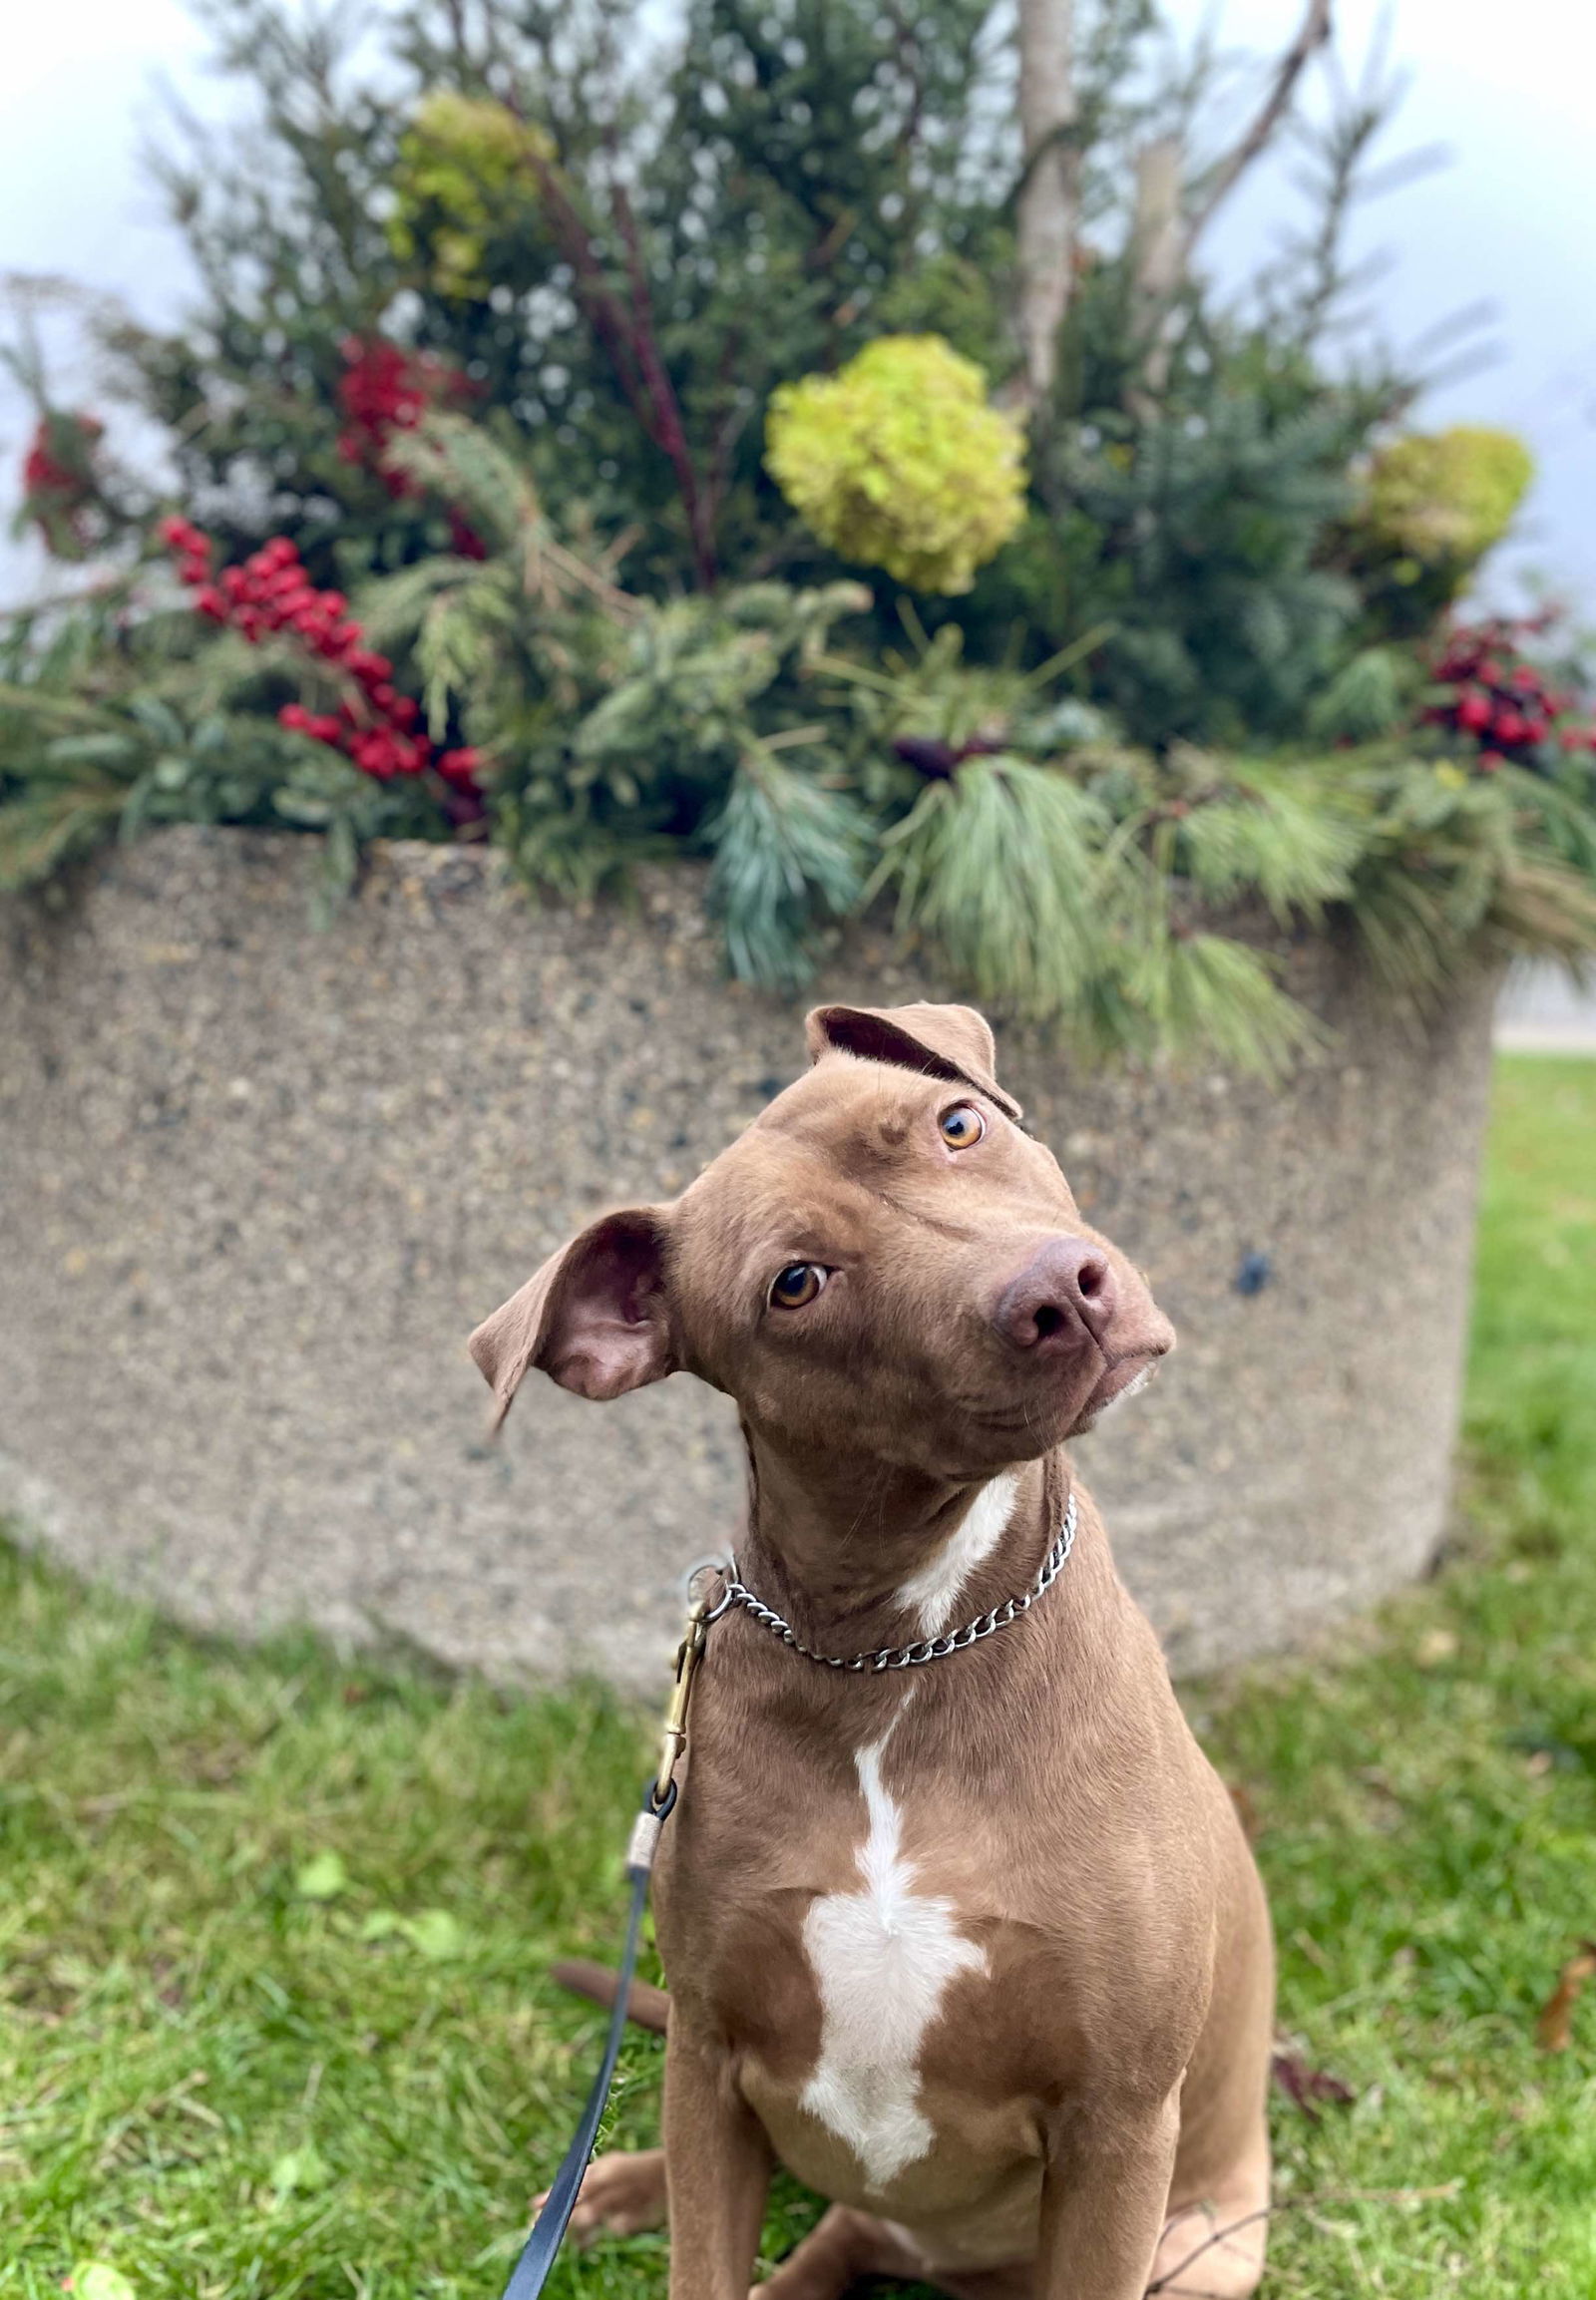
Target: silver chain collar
{"points": [[924, 1649]]}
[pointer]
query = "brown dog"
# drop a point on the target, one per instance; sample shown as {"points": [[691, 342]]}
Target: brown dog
{"points": [[977, 1948]]}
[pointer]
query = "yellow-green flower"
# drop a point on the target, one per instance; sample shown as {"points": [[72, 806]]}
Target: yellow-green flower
{"points": [[898, 461], [1443, 499], [463, 162]]}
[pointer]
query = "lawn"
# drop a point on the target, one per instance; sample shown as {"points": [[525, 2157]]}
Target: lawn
{"points": [[273, 1926]]}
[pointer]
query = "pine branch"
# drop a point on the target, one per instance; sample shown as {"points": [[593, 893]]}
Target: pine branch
{"points": [[788, 854]]}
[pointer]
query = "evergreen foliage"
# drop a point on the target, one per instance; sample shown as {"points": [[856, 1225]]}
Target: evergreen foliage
{"points": [[624, 382]]}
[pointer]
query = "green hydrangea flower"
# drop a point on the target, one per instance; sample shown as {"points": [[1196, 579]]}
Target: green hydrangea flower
{"points": [[898, 461], [463, 161], [1443, 499]]}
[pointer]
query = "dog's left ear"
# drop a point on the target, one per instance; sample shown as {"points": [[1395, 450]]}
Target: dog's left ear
{"points": [[593, 1317], [953, 1042]]}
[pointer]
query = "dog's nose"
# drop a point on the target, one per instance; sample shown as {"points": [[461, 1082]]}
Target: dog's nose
{"points": [[1062, 1297]]}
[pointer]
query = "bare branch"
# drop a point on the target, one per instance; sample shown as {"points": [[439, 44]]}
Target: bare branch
{"points": [[1314, 34]]}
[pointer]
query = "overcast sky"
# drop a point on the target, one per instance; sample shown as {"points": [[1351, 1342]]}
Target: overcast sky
{"points": [[1511, 91]]}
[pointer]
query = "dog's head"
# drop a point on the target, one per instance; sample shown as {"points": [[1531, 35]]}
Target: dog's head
{"points": [[885, 1262]]}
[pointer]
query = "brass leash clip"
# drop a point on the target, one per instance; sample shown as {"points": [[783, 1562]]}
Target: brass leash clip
{"points": [[672, 1733]]}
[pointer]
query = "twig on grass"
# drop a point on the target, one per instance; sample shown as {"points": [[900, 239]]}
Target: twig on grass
{"points": [[1165, 2282]]}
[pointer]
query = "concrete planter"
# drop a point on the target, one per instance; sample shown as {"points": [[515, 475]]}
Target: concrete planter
{"points": [[256, 1184]]}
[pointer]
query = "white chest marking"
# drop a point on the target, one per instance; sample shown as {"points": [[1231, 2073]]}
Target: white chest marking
{"points": [[883, 1957], [931, 1592]]}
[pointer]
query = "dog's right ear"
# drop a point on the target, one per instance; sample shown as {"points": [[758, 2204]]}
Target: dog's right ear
{"points": [[953, 1042], [593, 1318]]}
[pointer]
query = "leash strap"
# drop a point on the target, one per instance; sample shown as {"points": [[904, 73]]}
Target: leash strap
{"points": [[531, 2271]]}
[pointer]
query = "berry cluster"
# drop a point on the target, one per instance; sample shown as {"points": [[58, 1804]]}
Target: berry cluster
{"points": [[271, 592], [1502, 704], [384, 390], [60, 481]]}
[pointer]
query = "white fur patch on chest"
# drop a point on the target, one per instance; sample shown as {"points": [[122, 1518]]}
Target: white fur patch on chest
{"points": [[931, 1592], [883, 1957]]}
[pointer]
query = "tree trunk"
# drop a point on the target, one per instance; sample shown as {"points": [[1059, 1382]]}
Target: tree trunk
{"points": [[1045, 216]]}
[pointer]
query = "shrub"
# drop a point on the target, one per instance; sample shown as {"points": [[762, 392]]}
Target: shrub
{"points": [[467, 172], [555, 373], [898, 461], [1432, 504]]}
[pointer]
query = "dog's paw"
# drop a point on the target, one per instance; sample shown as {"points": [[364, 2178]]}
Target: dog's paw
{"points": [[620, 2195]]}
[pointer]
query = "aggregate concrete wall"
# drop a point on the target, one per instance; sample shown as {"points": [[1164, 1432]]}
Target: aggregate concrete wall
{"points": [[258, 1181]]}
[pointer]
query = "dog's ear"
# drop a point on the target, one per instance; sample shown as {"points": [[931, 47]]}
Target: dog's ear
{"points": [[593, 1318], [952, 1043]]}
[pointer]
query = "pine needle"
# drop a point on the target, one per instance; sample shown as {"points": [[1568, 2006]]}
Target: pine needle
{"points": [[789, 853]]}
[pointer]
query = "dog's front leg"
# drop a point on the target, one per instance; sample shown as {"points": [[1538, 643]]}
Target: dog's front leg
{"points": [[1103, 2201], [717, 2172]]}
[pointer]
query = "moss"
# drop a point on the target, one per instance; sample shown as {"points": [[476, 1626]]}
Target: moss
{"points": [[898, 461]]}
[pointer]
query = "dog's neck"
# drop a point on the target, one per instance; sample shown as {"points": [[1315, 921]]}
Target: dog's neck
{"points": [[859, 1553]]}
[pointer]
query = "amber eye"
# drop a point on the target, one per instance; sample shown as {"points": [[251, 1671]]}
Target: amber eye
{"points": [[797, 1284], [962, 1126]]}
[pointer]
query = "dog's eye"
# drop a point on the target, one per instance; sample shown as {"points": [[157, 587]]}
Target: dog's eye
{"points": [[962, 1126], [797, 1284]]}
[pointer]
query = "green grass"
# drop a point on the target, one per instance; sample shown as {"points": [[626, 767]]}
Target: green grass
{"points": [[273, 1926]]}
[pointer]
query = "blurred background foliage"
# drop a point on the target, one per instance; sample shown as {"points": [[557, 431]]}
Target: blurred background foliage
{"points": [[672, 406]]}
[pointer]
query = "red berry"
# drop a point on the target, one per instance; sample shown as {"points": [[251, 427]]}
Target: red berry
{"points": [[460, 767]]}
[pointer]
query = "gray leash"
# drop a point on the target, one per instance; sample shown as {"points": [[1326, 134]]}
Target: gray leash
{"points": [[531, 2271]]}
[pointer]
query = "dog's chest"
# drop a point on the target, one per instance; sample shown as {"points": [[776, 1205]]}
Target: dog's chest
{"points": [[877, 1973], [884, 1951]]}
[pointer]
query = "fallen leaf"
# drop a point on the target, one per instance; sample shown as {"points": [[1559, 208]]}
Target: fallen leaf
{"points": [[98, 2280], [297, 2172], [436, 1934], [1554, 2029], [1303, 2086], [321, 1879]]}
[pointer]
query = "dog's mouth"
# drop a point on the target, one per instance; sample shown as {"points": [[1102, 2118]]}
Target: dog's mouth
{"points": [[1119, 1380]]}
